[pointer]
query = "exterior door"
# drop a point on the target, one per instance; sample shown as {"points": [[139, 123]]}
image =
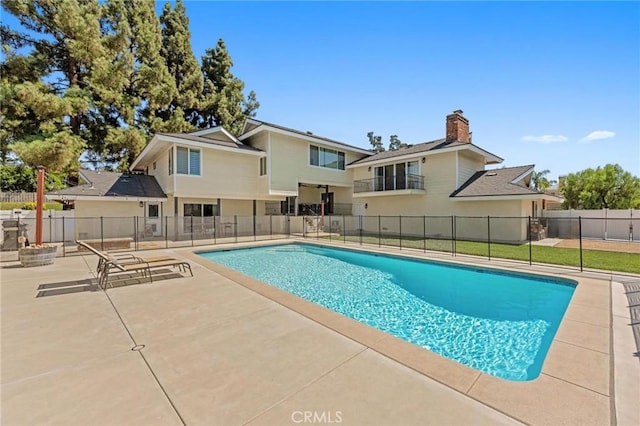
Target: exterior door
{"points": [[153, 221], [327, 197]]}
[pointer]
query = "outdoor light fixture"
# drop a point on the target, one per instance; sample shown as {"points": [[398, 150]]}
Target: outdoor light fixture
{"points": [[141, 204], [423, 160], [369, 168]]}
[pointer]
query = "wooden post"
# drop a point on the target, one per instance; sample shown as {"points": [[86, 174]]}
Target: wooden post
{"points": [[39, 205]]}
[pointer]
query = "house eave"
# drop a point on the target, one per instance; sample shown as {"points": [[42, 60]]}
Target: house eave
{"points": [[493, 159], [310, 138]]}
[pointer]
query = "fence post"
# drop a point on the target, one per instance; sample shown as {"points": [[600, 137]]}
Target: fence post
{"points": [[317, 229], [235, 227], [64, 249], [529, 235], [424, 234], [135, 233], [344, 230], [50, 228], [400, 229], [191, 230], [379, 230], [270, 227], [166, 231], [580, 236], [101, 233], [254, 227], [360, 221], [453, 233], [489, 236]]}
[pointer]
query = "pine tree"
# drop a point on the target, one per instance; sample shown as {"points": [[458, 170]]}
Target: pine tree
{"points": [[395, 143], [183, 67], [141, 86], [48, 89], [223, 102]]}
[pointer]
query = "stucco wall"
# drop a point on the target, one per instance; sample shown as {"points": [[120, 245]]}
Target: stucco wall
{"points": [[161, 172], [468, 164], [224, 174], [290, 165]]}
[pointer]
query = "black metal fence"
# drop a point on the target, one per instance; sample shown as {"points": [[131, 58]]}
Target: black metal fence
{"points": [[527, 239]]}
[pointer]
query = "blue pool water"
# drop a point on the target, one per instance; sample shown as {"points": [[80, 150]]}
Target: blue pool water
{"points": [[496, 322]]}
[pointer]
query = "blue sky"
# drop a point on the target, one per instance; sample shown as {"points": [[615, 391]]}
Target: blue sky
{"points": [[534, 79]]}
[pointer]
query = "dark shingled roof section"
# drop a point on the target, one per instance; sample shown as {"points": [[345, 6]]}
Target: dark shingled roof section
{"points": [[494, 182], [210, 141], [288, 129], [419, 147], [110, 184]]}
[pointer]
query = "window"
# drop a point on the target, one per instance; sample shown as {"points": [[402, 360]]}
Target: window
{"points": [[170, 161], [263, 166], [325, 157], [200, 210], [188, 161], [154, 210], [398, 176]]}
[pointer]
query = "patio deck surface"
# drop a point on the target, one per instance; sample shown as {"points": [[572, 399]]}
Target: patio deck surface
{"points": [[220, 348]]}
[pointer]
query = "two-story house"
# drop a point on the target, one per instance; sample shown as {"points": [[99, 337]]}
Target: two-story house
{"points": [[270, 169]]}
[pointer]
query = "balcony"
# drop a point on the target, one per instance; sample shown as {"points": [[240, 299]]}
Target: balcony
{"points": [[400, 184]]}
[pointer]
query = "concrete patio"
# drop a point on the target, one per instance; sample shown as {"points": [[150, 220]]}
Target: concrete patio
{"points": [[220, 348]]}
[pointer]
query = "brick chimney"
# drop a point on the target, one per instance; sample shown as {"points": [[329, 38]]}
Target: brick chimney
{"points": [[458, 127]]}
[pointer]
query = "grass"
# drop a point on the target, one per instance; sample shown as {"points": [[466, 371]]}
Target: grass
{"points": [[591, 259]]}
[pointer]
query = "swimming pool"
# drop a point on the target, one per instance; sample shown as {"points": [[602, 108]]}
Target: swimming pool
{"points": [[501, 323]]}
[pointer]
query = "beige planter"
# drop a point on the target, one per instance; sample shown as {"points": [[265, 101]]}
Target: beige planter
{"points": [[37, 256]]}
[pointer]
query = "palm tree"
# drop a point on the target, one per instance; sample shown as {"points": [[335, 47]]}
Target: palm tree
{"points": [[539, 182]]}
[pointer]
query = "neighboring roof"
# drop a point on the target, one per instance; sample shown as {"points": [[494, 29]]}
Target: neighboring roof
{"points": [[211, 141], [506, 181], [110, 184], [419, 148], [252, 125]]}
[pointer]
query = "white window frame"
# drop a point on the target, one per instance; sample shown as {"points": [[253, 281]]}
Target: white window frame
{"points": [[320, 148], [189, 149]]}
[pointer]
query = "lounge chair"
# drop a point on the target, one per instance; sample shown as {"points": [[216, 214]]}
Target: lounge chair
{"points": [[130, 263]]}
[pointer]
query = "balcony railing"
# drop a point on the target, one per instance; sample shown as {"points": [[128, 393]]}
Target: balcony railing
{"points": [[389, 183]]}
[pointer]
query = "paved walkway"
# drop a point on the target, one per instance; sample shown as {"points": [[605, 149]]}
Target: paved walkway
{"points": [[207, 350]]}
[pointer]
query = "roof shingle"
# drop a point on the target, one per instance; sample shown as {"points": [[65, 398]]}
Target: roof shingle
{"points": [[495, 182], [110, 184]]}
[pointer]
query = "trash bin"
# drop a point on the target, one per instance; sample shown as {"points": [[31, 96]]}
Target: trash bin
{"points": [[12, 230]]}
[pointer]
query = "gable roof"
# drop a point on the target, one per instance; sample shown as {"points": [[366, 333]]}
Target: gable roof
{"points": [[216, 130], [195, 138], [424, 147], [111, 184], [163, 140], [253, 126], [495, 182]]}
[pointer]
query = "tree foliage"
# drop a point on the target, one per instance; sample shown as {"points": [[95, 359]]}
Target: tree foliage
{"points": [[101, 77], [539, 181], [20, 178], [223, 103], [608, 187], [376, 142]]}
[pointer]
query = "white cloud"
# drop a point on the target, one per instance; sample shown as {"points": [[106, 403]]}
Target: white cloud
{"points": [[545, 138], [598, 135]]}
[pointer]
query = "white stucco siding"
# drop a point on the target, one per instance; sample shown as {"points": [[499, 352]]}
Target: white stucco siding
{"points": [[224, 174], [468, 164], [290, 165], [161, 171]]}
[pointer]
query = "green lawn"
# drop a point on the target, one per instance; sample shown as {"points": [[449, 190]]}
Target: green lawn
{"points": [[592, 259]]}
